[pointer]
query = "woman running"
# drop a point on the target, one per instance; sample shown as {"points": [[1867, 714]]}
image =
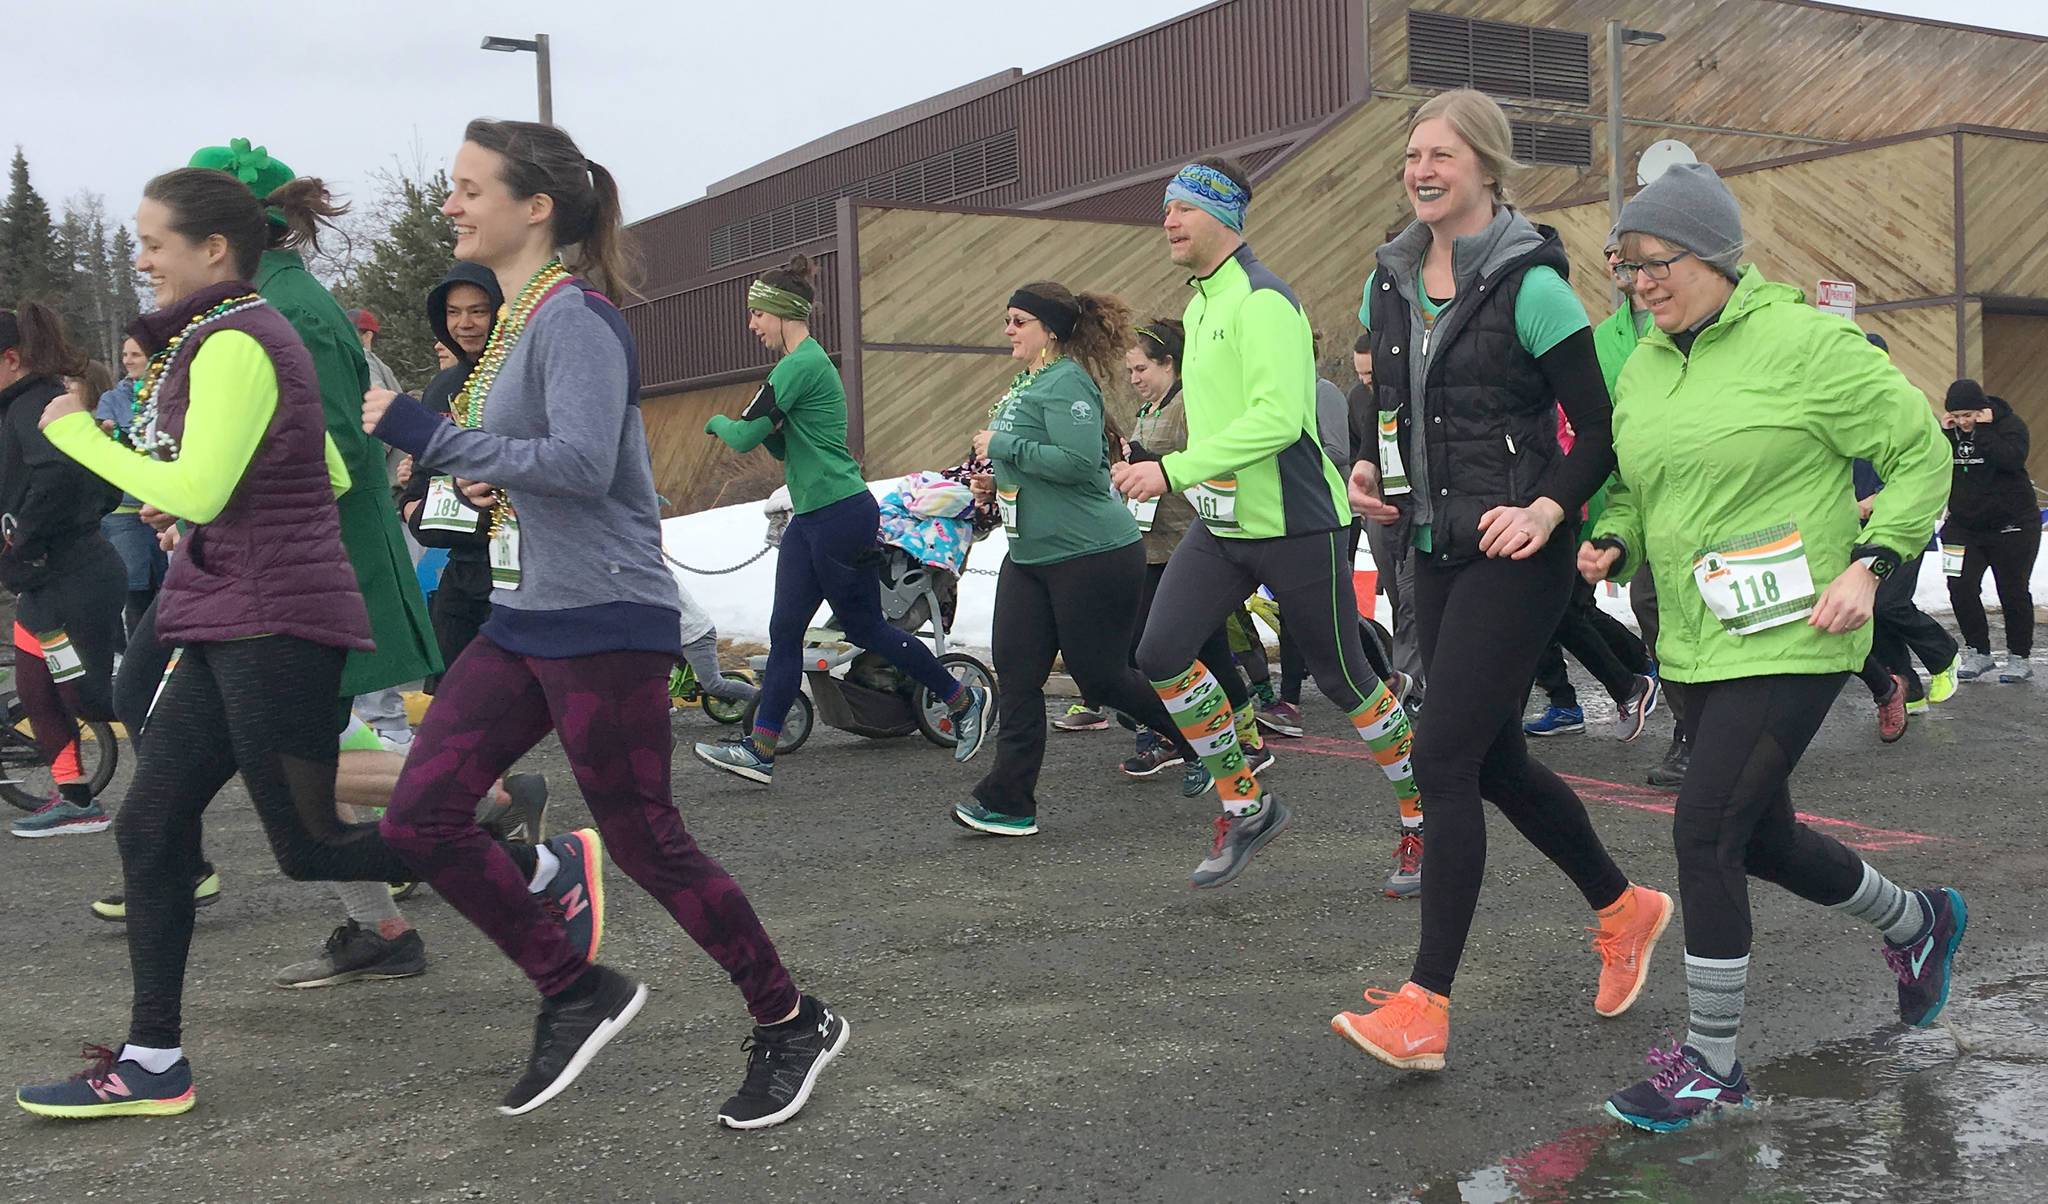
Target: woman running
{"points": [[581, 639], [1153, 363], [1073, 581], [1476, 341], [1994, 522], [261, 599], [1736, 424], [69, 580], [800, 417]]}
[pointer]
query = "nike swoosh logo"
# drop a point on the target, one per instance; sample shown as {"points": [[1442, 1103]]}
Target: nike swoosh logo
{"points": [[1412, 1044], [1689, 1091], [1926, 951]]}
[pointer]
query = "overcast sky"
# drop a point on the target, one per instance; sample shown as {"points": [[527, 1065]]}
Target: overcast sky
{"points": [[670, 96]]}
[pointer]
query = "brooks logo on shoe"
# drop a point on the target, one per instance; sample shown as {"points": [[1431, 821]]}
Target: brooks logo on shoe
{"points": [[1921, 954], [1698, 1089]]}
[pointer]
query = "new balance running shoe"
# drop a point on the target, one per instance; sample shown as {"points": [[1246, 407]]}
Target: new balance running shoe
{"points": [[1556, 721], [1238, 839], [1259, 759], [353, 953], [1281, 718], [575, 895], [569, 1033], [975, 817], [1409, 1029], [521, 819], [1626, 937], [1081, 718], [1195, 779], [1923, 964], [1152, 756], [112, 1087], [783, 1064], [62, 817], [205, 893], [738, 755], [1680, 1090], [1941, 684], [970, 726], [1406, 880]]}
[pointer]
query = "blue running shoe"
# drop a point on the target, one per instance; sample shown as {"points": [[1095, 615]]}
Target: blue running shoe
{"points": [[62, 817], [575, 895], [969, 726], [1680, 1092], [1923, 964], [737, 755], [1556, 721], [111, 1087]]}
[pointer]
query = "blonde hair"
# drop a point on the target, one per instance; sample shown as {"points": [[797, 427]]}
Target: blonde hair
{"points": [[1479, 123]]}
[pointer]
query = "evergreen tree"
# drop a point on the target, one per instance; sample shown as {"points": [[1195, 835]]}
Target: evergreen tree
{"points": [[408, 251], [32, 264], [127, 282]]}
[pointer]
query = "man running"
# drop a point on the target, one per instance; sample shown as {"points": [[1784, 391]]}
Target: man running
{"points": [[1273, 511]]}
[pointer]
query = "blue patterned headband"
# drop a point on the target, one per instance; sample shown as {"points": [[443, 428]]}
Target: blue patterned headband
{"points": [[1212, 192]]}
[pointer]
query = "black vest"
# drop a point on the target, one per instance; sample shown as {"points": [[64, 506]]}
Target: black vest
{"points": [[1492, 416]]}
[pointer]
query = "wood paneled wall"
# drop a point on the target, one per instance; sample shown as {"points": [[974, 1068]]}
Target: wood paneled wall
{"points": [[2006, 240], [2016, 368], [1923, 345], [696, 471]]}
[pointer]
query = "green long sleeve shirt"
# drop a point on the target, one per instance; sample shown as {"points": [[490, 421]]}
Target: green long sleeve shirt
{"points": [[1052, 468], [804, 426]]}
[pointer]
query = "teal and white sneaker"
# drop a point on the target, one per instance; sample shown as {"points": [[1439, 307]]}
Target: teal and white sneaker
{"points": [[970, 727], [61, 817], [978, 818], [737, 755], [1195, 779]]}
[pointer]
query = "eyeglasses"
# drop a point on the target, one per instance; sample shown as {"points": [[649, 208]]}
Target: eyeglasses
{"points": [[1657, 269], [1013, 322]]}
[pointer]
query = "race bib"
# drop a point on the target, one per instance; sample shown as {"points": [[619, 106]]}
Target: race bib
{"points": [[505, 549], [1393, 473], [1006, 501], [1758, 581], [1144, 511], [1216, 503], [1951, 560], [59, 657], [443, 509]]}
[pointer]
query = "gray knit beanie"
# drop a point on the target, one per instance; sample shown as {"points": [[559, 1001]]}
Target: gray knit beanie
{"points": [[1688, 206]]}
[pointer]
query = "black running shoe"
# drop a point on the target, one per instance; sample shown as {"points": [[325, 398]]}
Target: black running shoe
{"points": [[520, 820], [353, 953], [568, 1035], [782, 1067]]}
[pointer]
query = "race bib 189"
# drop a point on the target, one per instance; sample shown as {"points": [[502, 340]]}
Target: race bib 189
{"points": [[1216, 503], [444, 510], [1758, 581]]}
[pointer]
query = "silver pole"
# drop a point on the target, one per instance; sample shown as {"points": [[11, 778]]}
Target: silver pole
{"points": [[547, 87], [1615, 151]]}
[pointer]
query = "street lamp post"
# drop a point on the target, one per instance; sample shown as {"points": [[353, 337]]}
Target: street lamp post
{"points": [[1617, 37], [538, 44]]}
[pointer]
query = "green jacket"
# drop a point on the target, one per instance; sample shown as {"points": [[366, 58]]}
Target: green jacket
{"points": [[802, 422], [1249, 375], [1052, 468], [1757, 428], [406, 650]]}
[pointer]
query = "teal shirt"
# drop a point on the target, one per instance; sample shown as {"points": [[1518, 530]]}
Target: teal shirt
{"points": [[810, 437], [1052, 468]]}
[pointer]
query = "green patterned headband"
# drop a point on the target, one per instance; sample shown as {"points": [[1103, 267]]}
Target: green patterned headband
{"points": [[781, 303]]}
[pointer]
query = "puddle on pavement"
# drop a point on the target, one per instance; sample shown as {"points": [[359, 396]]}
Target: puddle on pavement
{"points": [[1955, 1112]]}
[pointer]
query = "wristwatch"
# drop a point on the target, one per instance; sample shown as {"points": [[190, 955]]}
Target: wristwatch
{"points": [[1879, 559]]}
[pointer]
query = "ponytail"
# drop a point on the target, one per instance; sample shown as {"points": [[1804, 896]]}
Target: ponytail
{"points": [[588, 223], [302, 206]]}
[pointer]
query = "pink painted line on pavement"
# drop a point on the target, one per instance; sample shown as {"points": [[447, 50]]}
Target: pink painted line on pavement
{"points": [[1849, 832]]}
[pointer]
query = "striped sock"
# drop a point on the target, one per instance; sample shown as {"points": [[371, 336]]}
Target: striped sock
{"points": [[764, 739], [1203, 715], [1897, 913], [1247, 730], [1715, 987], [1384, 726]]}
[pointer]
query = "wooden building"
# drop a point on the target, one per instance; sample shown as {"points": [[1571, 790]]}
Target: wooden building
{"points": [[1894, 153]]}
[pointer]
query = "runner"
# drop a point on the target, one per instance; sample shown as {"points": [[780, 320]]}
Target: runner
{"points": [[800, 417], [228, 436], [68, 578], [1153, 363], [581, 640], [1074, 578], [1994, 522], [1477, 340], [1735, 425], [1273, 513]]}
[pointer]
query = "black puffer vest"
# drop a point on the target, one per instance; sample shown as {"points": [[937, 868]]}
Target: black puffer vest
{"points": [[1492, 417]]}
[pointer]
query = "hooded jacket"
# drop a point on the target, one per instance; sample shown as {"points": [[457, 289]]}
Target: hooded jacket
{"points": [[1756, 428], [48, 502], [441, 390], [1990, 491], [468, 551]]}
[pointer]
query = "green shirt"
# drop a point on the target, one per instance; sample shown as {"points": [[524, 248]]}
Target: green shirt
{"points": [[809, 437], [1052, 468]]}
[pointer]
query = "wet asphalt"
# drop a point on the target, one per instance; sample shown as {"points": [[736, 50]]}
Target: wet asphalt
{"points": [[1060, 1017]]}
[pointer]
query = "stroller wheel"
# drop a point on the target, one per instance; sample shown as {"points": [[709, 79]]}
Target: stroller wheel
{"points": [[935, 718], [796, 725]]}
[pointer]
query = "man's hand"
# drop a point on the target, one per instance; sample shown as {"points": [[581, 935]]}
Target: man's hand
{"points": [[1365, 495], [1140, 482], [1847, 602], [1596, 563]]}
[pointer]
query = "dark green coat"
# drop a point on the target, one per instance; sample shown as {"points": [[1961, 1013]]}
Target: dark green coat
{"points": [[369, 524]]}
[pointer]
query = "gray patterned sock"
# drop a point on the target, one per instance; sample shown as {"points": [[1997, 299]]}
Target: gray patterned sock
{"points": [[1897, 913], [1715, 988]]}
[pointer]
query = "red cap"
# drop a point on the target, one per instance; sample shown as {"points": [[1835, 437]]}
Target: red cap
{"points": [[365, 320]]}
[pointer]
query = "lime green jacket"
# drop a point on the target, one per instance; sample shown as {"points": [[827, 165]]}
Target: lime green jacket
{"points": [[1756, 428], [1249, 377]]}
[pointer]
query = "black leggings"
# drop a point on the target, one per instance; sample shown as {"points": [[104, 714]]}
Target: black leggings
{"points": [[265, 708], [142, 670], [1735, 817], [82, 601], [1082, 610], [459, 608], [1483, 624], [2010, 557], [1900, 631], [1293, 668], [1215, 650]]}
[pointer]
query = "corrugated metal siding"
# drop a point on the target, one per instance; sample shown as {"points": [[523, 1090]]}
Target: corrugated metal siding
{"points": [[703, 331]]}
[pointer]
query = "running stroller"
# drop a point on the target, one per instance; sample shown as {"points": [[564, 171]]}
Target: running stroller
{"points": [[924, 540]]}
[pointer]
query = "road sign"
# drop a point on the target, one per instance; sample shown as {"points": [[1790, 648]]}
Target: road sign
{"points": [[1836, 297]]}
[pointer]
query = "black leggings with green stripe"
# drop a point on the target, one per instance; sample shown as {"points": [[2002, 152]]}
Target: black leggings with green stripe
{"points": [[1310, 577]]}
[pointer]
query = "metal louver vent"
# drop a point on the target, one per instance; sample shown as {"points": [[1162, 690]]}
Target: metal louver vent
{"points": [[949, 176], [1498, 57], [1553, 145]]}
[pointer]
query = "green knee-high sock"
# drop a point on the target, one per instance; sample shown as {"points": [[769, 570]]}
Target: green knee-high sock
{"points": [[1202, 712]]}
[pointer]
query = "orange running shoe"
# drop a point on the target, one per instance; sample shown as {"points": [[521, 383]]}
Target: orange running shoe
{"points": [[1408, 1029], [1626, 936]]}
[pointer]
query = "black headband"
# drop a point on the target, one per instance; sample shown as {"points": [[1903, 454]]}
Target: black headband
{"points": [[1058, 318]]}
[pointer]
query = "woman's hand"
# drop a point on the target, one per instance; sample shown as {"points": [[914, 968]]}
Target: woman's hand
{"points": [[405, 471], [1595, 564], [156, 519], [981, 439], [1140, 482], [984, 486], [70, 401], [375, 402], [480, 495], [1847, 602], [1518, 532], [1365, 495]]}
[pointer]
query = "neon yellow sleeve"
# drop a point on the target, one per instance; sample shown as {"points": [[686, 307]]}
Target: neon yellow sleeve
{"points": [[234, 396], [337, 468]]}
